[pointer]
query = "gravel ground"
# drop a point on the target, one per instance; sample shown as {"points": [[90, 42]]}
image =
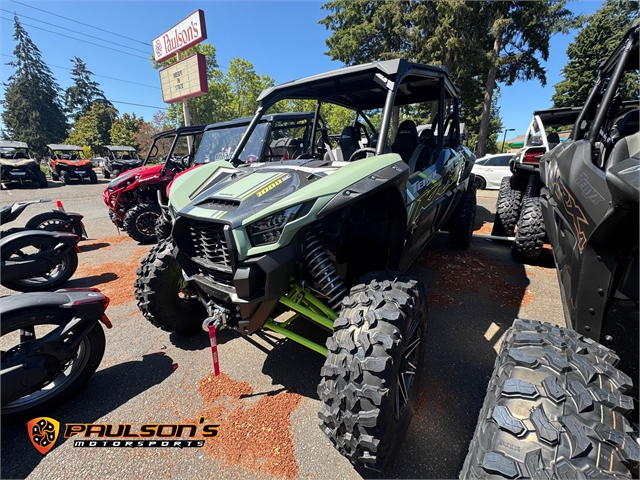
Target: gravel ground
{"points": [[150, 376]]}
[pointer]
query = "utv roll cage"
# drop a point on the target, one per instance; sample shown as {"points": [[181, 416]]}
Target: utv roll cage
{"points": [[367, 87]]}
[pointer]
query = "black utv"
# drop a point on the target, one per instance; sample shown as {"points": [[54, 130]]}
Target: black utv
{"points": [[117, 159], [560, 403]]}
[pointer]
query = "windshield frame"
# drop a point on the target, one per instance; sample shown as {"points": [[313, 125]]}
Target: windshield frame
{"points": [[266, 128]]}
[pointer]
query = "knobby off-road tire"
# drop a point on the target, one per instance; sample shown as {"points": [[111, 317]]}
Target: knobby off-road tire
{"points": [[140, 222], [530, 233], [89, 355], [42, 179], [106, 174], [508, 208], [54, 175], [460, 223], [378, 340], [163, 229], [65, 177], [93, 177], [554, 409], [162, 295]]}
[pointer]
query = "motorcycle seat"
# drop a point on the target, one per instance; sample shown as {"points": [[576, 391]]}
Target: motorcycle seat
{"points": [[23, 301]]}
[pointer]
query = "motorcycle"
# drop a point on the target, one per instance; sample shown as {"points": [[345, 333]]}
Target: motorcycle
{"points": [[40, 259], [56, 220], [51, 343]]}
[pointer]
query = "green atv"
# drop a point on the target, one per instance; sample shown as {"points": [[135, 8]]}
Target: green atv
{"points": [[326, 235]]}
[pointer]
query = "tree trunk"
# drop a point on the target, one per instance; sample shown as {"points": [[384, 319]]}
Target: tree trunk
{"points": [[483, 133], [395, 121]]}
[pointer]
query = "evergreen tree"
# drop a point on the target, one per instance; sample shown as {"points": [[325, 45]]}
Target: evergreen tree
{"points": [[593, 44], [32, 112], [79, 97]]}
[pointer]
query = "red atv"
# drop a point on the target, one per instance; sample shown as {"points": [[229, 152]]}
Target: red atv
{"points": [[133, 197]]}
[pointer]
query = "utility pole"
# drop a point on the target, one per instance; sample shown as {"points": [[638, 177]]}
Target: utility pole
{"points": [[505, 137]]}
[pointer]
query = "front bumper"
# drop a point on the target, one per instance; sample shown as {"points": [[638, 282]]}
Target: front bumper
{"points": [[208, 257]]}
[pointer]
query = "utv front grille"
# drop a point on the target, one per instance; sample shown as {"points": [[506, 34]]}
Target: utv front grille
{"points": [[212, 256]]}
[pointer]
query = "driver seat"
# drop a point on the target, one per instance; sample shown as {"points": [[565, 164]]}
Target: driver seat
{"points": [[347, 144]]}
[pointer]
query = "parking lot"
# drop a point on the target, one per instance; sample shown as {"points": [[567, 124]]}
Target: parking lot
{"points": [[266, 400]]}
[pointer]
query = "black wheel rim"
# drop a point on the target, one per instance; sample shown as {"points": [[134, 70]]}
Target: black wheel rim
{"points": [[146, 223], [66, 376], [47, 278], [406, 382]]}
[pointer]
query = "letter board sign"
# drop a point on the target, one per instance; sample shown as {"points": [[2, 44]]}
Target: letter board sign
{"points": [[184, 79]]}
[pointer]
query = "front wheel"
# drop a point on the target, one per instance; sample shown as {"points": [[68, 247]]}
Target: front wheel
{"points": [[53, 221], [54, 174], [93, 178], [163, 229], [140, 222], [65, 177], [72, 376], [42, 179], [105, 174], [372, 372], [116, 172], [164, 298]]}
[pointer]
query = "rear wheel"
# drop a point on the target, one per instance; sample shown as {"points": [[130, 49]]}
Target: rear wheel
{"points": [[72, 376], [531, 232], [105, 174], [481, 183], [93, 178], [54, 278], [555, 408], [65, 177], [140, 222], [54, 174], [163, 296], [372, 372], [460, 223], [508, 208]]}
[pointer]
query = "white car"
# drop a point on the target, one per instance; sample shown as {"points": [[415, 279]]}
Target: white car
{"points": [[491, 169]]}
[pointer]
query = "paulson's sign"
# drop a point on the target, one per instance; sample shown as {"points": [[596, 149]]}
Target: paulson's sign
{"points": [[184, 79], [188, 32]]}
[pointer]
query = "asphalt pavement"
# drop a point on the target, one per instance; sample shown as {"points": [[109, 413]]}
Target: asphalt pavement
{"points": [[270, 430]]}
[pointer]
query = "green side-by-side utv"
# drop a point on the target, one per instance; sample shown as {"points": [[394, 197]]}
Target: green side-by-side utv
{"points": [[325, 234]]}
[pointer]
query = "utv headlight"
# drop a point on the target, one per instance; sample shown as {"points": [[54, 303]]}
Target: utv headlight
{"points": [[268, 229]]}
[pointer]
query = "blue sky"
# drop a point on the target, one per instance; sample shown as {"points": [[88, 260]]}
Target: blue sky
{"points": [[281, 39]]}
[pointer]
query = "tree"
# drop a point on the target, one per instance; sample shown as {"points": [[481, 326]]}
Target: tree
{"points": [[519, 33], [32, 112], [79, 97], [93, 129], [366, 31], [244, 87], [593, 44], [124, 130]]}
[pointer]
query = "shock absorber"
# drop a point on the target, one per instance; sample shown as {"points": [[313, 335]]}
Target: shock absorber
{"points": [[324, 271]]}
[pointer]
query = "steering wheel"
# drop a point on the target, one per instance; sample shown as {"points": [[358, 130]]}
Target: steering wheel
{"points": [[360, 151]]}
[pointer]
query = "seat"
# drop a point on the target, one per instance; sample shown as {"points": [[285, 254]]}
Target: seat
{"points": [[126, 157], [624, 148], [553, 139], [407, 145], [347, 144]]}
